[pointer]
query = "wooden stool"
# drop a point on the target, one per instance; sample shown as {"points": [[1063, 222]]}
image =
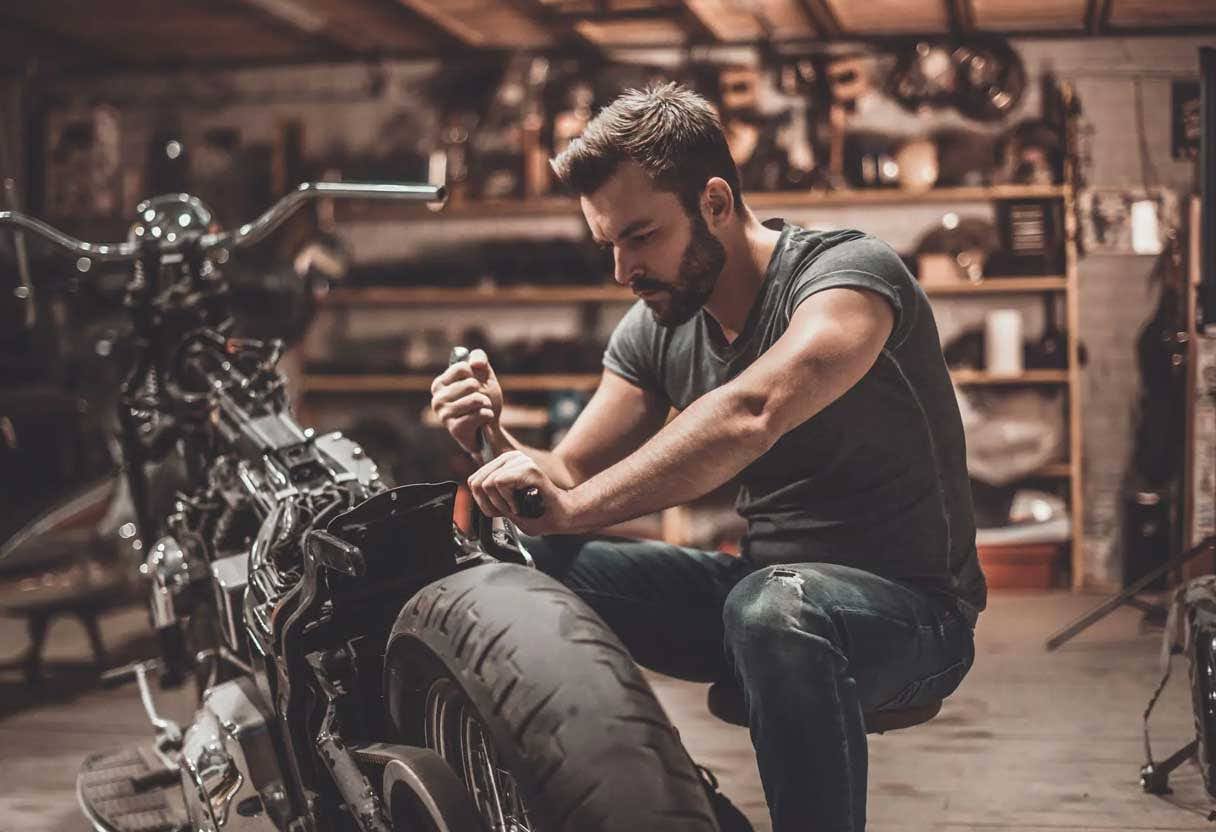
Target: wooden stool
{"points": [[725, 701]]}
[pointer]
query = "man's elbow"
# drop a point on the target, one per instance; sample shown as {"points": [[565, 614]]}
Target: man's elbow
{"points": [[756, 418]]}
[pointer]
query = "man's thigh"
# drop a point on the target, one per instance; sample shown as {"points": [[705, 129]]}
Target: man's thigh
{"points": [[663, 601], [904, 646]]}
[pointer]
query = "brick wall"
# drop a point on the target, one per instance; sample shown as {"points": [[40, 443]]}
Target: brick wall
{"points": [[1115, 295]]}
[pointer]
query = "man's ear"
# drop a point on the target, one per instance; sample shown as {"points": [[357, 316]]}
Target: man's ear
{"points": [[717, 202]]}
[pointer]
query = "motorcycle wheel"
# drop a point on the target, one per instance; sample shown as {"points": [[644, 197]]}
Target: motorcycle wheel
{"points": [[538, 708], [1201, 665]]}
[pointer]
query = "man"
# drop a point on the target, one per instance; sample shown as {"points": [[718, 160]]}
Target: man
{"points": [[806, 364]]}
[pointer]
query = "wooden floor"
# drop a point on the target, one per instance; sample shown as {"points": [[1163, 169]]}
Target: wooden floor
{"points": [[1031, 741]]}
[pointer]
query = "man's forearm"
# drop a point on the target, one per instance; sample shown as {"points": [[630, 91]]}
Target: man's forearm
{"points": [[552, 464], [712, 440]]}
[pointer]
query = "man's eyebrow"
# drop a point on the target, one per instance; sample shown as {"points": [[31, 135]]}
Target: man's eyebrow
{"points": [[633, 227]]}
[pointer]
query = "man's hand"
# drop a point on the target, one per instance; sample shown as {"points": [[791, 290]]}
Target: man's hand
{"points": [[494, 485], [466, 397]]}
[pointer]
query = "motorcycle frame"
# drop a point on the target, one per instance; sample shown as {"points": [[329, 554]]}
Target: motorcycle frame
{"points": [[322, 665]]}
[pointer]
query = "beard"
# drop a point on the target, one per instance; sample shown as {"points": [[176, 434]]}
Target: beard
{"points": [[700, 266]]}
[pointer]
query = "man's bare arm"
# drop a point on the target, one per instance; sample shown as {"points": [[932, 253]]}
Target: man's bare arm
{"points": [[617, 420], [833, 339]]}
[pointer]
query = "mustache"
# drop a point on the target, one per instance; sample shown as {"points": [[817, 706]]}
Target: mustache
{"points": [[643, 284]]}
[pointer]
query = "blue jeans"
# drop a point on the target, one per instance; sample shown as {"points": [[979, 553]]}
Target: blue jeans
{"points": [[813, 646]]}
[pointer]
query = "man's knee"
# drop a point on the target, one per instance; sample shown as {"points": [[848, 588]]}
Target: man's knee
{"points": [[771, 606], [554, 554]]}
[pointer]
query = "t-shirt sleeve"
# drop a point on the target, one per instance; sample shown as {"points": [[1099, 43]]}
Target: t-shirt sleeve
{"points": [[631, 352], [863, 263]]}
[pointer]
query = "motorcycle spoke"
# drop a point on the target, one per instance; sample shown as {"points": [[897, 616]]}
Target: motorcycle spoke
{"points": [[481, 757], [456, 733]]}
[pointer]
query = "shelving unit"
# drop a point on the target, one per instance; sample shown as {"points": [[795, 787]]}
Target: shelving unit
{"points": [[532, 294], [437, 296], [1002, 286], [564, 206], [379, 383], [462, 296], [979, 377]]}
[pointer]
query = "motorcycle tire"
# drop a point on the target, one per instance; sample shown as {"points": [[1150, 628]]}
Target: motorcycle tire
{"points": [[1201, 667], [557, 720]]}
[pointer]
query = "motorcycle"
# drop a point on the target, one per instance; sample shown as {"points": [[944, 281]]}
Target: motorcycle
{"points": [[362, 664]]}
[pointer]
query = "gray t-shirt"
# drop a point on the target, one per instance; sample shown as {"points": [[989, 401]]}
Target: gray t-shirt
{"points": [[877, 479]]}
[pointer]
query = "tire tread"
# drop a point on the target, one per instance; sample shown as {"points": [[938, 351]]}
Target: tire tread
{"points": [[598, 755]]}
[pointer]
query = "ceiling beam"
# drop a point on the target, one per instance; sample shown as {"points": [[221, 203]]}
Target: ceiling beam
{"points": [[694, 26], [1097, 16], [559, 27], [451, 25], [420, 26], [707, 28], [822, 18], [295, 19], [961, 16], [38, 42], [359, 27]]}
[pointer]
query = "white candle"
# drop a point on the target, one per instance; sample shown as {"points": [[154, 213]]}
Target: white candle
{"points": [[1003, 342]]}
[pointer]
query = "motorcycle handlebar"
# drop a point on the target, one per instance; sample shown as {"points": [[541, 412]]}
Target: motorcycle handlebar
{"points": [[248, 233]]}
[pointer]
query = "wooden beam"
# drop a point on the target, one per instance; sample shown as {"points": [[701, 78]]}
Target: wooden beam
{"points": [[560, 27], [29, 40], [719, 22], [433, 12], [440, 39], [961, 16], [822, 18], [297, 18], [693, 24], [1097, 16]]}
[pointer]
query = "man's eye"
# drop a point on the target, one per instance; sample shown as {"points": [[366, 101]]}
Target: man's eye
{"points": [[643, 237]]}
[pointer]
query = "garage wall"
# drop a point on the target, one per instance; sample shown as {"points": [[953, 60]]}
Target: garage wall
{"points": [[354, 106]]}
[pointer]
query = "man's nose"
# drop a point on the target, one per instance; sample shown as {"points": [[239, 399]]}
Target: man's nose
{"points": [[625, 269]]}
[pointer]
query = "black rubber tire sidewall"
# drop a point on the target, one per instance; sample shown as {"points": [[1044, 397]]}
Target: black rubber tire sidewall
{"points": [[570, 714]]}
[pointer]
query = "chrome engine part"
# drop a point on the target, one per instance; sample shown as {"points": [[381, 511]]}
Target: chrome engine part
{"points": [[171, 571], [231, 778], [229, 577], [350, 460]]}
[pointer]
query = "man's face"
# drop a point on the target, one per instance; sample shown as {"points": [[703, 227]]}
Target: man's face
{"points": [[670, 260]]}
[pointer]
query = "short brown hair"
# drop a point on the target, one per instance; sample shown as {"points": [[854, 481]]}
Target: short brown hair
{"points": [[668, 130]]}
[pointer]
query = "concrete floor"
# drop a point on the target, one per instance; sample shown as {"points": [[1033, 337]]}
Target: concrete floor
{"points": [[1032, 741]]}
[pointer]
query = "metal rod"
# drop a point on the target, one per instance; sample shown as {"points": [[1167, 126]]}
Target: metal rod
{"points": [[252, 232], [248, 233], [1104, 609], [24, 292], [105, 252]]}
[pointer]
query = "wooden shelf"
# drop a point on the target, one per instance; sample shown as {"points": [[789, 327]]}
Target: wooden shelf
{"points": [[1001, 285], [470, 295], [893, 196], [1054, 470], [413, 383], [372, 383], [557, 294], [513, 417], [979, 377], [354, 211]]}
